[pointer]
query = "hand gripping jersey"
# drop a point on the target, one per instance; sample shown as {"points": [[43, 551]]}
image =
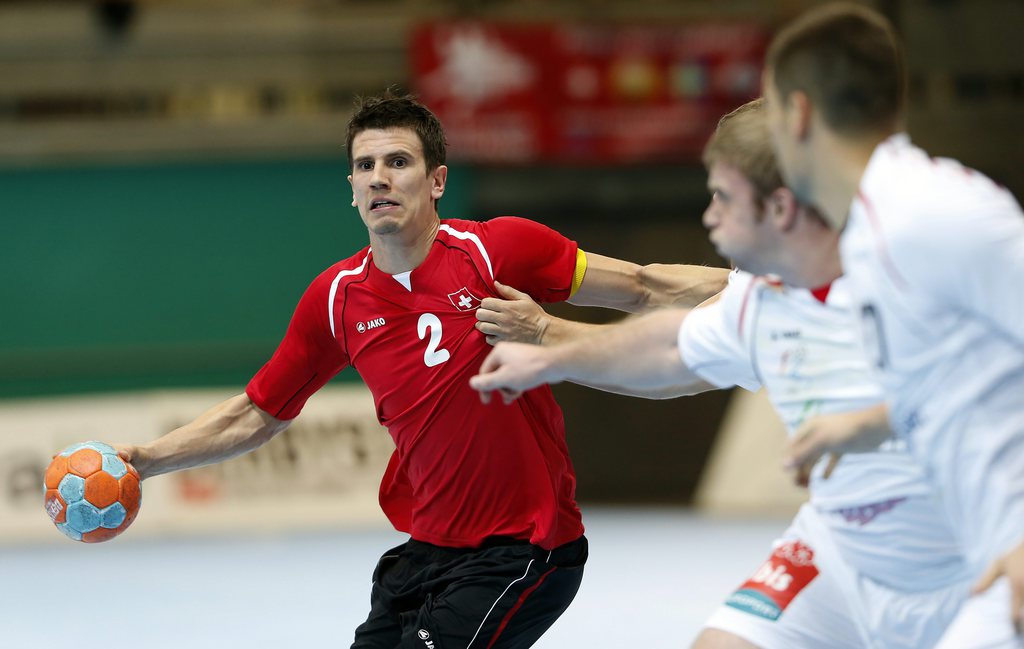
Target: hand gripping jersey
{"points": [[802, 347], [461, 471], [935, 256]]}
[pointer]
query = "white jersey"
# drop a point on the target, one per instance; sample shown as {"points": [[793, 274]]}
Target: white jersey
{"points": [[809, 357], [934, 253]]}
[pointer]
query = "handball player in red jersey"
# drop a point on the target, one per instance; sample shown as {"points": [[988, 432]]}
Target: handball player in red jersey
{"points": [[486, 493]]}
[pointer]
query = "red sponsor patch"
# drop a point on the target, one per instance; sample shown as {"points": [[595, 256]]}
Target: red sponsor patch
{"points": [[775, 584]]}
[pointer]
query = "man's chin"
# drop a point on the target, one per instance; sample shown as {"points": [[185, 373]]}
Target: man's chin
{"points": [[748, 266], [722, 252], [385, 226]]}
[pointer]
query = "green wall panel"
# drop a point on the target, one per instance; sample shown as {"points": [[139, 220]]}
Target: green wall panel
{"points": [[173, 274]]}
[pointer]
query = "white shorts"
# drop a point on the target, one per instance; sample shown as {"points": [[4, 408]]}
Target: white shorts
{"points": [[983, 622], [806, 596]]}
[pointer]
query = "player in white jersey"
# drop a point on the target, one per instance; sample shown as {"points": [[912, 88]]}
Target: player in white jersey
{"points": [[871, 560], [934, 253]]}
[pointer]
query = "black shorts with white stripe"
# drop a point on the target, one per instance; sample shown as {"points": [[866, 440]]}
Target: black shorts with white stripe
{"points": [[502, 595]]}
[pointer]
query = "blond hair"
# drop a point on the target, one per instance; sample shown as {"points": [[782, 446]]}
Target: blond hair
{"points": [[742, 140]]}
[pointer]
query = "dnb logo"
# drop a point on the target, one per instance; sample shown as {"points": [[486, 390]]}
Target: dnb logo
{"points": [[775, 584]]}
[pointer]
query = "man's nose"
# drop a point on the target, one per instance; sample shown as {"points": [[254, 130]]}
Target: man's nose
{"points": [[379, 177], [710, 217]]}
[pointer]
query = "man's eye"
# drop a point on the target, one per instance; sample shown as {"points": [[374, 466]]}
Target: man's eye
{"points": [[364, 166], [399, 162]]}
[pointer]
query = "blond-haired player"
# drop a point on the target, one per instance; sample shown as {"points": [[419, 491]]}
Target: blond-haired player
{"points": [[871, 561]]}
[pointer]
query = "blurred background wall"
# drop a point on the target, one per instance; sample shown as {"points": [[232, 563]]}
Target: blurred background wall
{"points": [[172, 175]]}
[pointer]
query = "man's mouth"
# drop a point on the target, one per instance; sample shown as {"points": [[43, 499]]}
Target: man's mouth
{"points": [[382, 203]]}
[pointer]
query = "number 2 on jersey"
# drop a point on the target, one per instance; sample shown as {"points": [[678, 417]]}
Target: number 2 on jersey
{"points": [[433, 356]]}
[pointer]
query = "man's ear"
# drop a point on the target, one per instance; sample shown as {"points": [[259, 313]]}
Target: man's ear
{"points": [[782, 208], [798, 114], [438, 180]]}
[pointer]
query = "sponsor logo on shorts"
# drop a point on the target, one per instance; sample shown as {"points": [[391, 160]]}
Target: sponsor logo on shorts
{"points": [[424, 635], [775, 584], [864, 514]]}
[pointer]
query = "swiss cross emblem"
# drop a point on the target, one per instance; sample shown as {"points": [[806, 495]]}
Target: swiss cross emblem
{"points": [[464, 300]]}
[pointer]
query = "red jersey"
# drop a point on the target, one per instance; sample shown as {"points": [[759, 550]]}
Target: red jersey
{"points": [[461, 470]]}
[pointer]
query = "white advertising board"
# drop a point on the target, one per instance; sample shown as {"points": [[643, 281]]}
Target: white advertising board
{"points": [[322, 472]]}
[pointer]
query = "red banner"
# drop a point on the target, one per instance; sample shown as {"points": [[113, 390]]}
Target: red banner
{"points": [[522, 93]]}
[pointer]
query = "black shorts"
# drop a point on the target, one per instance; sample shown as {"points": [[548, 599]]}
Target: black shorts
{"points": [[502, 595]]}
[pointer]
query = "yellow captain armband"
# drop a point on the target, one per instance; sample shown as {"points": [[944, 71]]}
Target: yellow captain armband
{"points": [[581, 270]]}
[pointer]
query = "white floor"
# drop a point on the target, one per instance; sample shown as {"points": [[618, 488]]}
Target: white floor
{"points": [[653, 577]]}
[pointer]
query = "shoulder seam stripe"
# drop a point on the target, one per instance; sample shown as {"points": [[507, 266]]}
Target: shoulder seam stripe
{"points": [[334, 290], [475, 239], [880, 242], [743, 306]]}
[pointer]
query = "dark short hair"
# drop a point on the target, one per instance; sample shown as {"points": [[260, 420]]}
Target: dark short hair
{"points": [[393, 110], [742, 140], [848, 60]]}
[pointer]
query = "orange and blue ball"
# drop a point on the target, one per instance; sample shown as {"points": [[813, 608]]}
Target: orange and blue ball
{"points": [[90, 493]]}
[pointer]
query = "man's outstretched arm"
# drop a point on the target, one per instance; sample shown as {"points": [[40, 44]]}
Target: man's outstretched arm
{"points": [[639, 354], [616, 284], [517, 318], [609, 282], [229, 429]]}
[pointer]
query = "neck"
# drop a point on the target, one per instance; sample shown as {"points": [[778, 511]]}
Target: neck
{"points": [[400, 252], [812, 261], [839, 179]]}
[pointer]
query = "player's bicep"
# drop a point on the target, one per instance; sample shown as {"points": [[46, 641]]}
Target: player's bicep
{"points": [[683, 387], [680, 379], [608, 282], [711, 347]]}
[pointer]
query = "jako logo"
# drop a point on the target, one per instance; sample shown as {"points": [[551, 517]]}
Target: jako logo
{"points": [[370, 324], [425, 637]]}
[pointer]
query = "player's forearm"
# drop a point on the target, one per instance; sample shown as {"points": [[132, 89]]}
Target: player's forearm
{"points": [[696, 386], [227, 430], [870, 428], [636, 354], [557, 330], [680, 285]]}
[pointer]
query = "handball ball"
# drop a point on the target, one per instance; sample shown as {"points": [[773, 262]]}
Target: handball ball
{"points": [[91, 494]]}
